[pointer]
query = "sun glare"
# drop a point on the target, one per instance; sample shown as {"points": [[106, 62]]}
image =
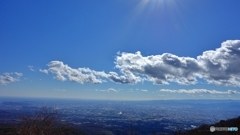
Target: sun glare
{"points": [[153, 3], [147, 12], [153, 6], [150, 7]]}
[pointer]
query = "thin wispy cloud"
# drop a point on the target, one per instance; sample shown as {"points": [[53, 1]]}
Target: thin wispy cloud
{"points": [[108, 90], [113, 90], [144, 90], [7, 78], [200, 91], [219, 66], [31, 68], [62, 90]]}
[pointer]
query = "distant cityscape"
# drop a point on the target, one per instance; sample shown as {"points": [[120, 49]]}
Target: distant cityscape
{"points": [[145, 117]]}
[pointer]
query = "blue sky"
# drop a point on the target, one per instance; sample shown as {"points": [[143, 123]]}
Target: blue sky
{"points": [[120, 49]]}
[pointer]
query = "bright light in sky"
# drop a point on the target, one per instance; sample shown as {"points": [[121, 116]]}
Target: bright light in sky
{"points": [[124, 50], [151, 5]]}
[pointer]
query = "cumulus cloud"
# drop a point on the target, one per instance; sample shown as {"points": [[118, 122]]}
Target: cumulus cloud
{"points": [[9, 78], [219, 66], [124, 79], [63, 72], [81, 75], [200, 91], [160, 69]]}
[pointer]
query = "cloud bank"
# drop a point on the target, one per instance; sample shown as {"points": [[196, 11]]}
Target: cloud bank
{"points": [[9, 78], [200, 91], [219, 66]]}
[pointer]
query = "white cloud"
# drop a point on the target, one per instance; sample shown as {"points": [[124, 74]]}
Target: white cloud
{"points": [[200, 91], [64, 72], [160, 69], [220, 66], [144, 90], [31, 68], [124, 79], [9, 78], [108, 90], [113, 90], [17, 74], [44, 71], [81, 75]]}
